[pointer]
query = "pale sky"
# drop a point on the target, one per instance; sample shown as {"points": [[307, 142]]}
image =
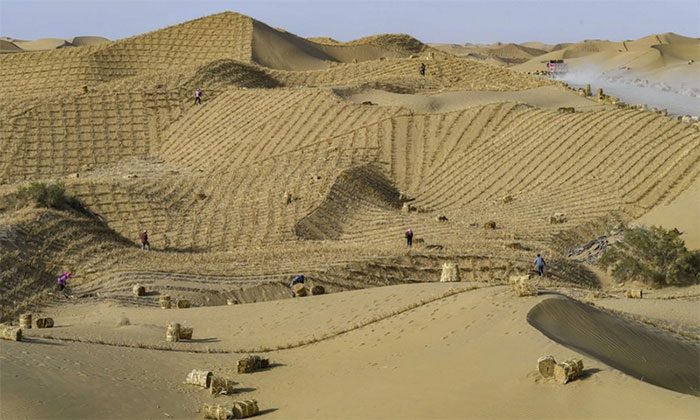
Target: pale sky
{"points": [[477, 21]]}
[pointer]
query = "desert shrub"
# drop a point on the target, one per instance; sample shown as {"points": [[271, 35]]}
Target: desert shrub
{"points": [[43, 195], [655, 256]]}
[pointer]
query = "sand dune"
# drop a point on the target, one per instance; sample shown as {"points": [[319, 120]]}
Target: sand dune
{"points": [[544, 97], [658, 66], [381, 361], [314, 157], [635, 349]]}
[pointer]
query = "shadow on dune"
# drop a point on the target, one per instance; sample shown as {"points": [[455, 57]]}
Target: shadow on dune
{"points": [[32, 340], [204, 340], [266, 411], [641, 351]]}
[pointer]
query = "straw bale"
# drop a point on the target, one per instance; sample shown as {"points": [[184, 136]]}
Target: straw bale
{"points": [[545, 365], [44, 323], [138, 290], [25, 321], [318, 290], [199, 377], [246, 408], [407, 208], [164, 301], [450, 273], [220, 385], [231, 302], [507, 199], [251, 363], [635, 293], [568, 370], [557, 218], [8, 332], [173, 332], [299, 290], [216, 412], [441, 218], [523, 286], [183, 303], [490, 225], [186, 333]]}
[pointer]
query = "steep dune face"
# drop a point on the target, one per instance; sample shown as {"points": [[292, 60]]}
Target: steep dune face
{"points": [[285, 51], [356, 192], [643, 352], [53, 241]]}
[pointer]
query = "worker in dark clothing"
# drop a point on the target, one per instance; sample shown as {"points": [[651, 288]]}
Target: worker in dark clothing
{"points": [[198, 96], [539, 265], [409, 238], [143, 236], [421, 69]]}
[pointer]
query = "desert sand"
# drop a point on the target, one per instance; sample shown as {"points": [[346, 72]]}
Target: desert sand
{"points": [[314, 156]]}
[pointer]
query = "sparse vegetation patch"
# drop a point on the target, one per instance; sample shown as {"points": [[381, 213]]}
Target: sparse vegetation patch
{"points": [[655, 256]]}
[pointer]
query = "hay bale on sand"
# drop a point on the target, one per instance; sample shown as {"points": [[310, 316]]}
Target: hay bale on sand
{"points": [[251, 363], [138, 290], [299, 290], [220, 385], [231, 302], [441, 218], [8, 332], [318, 290], [545, 365], [44, 323], [635, 293], [199, 377], [450, 273], [490, 225], [164, 301], [408, 208], [523, 286], [557, 218], [183, 303], [216, 412], [25, 321], [173, 332], [246, 408], [186, 333], [568, 370]]}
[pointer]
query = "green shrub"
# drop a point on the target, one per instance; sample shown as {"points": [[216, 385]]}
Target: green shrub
{"points": [[43, 195], [654, 256]]}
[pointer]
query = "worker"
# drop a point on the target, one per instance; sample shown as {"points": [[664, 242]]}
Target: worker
{"points": [[539, 265], [198, 96], [409, 237], [296, 280], [143, 236], [62, 279], [421, 70]]}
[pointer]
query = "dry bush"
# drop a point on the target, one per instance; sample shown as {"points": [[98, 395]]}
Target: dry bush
{"points": [[40, 194]]}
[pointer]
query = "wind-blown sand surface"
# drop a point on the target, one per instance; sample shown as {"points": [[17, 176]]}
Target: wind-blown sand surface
{"points": [[544, 97], [453, 358], [683, 213]]}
